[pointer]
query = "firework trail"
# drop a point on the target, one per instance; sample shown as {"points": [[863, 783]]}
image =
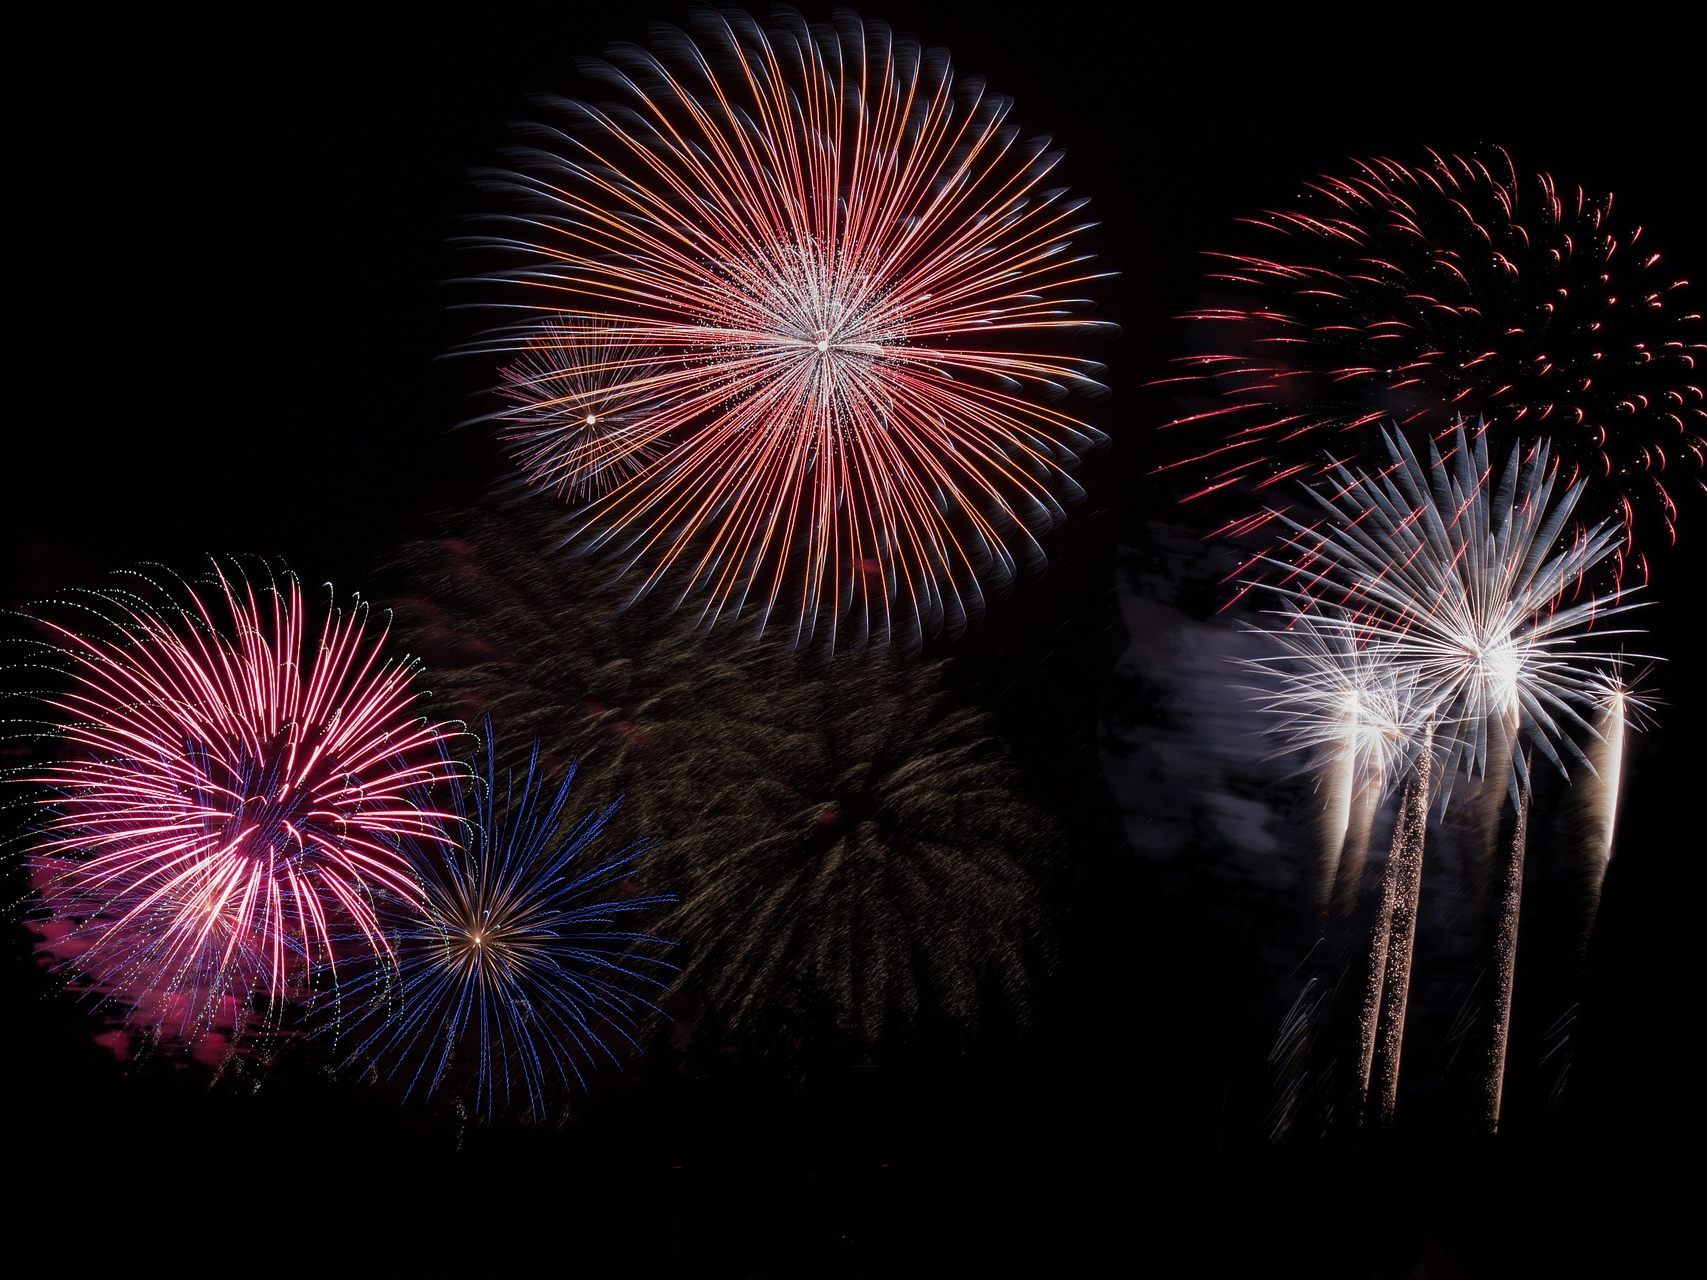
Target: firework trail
{"points": [[1401, 897], [233, 786], [521, 969], [1463, 287], [850, 846], [1622, 709], [1505, 962], [573, 419], [847, 275], [1471, 580]]}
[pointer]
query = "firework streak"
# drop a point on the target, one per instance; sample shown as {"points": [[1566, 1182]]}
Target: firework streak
{"points": [[1505, 962], [838, 277], [1401, 896]]}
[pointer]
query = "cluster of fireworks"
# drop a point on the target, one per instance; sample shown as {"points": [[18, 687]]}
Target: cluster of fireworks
{"points": [[774, 304], [850, 848], [784, 329], [1481, 391], [780, 327], [247, 819]]}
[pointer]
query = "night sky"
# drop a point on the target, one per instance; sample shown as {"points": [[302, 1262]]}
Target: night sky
{"points": [[235, 237]]}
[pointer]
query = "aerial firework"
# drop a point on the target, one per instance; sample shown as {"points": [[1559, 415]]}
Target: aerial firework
{"points": [[1464, 287], [858, 846], [1357, 713], [1471, 580], [849, 278], [521, 968], [845, 840], [233, 786], [572, 417]]}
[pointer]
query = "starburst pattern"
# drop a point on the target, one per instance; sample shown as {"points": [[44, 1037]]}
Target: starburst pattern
{"points": [[1329, 692], [573, 420], [1474, 582], [233, 787], [850, 276], [521, 970]]}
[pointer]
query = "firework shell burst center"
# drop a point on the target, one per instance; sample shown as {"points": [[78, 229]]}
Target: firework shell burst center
{"points": [[839, 283]]}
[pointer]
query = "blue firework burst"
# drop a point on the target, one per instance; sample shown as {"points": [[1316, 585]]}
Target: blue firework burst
{"points": [[524, 971]]}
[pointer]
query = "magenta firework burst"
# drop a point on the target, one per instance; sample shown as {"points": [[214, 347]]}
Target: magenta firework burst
{"points": [[1460, 288], [857, 291], [234, 783]]}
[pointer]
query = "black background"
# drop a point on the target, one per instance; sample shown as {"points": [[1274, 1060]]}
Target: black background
{"points": [[229, 241]]}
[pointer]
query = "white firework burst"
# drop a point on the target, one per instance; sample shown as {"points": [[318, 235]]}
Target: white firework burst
{"points": [[1473, 582]]}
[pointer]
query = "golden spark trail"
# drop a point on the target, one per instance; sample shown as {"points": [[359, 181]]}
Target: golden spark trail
{"points": [[1381, 1020], [1505, 947], [1404, 879]]}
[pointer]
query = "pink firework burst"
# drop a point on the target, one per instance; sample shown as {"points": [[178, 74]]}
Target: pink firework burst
{"points": [[233, 787], [847, 271], [1461, 289]]}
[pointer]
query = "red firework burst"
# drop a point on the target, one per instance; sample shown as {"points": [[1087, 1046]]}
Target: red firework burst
{"points": [[839, 262], [230, 793], [1459, 289]]}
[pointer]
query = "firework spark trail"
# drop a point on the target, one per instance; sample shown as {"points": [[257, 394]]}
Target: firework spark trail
{"points": [[1401, 898], [1342, 898], [1505, 953], [843, 266], [231, 793], [1341, 795], [1608, 776], [1420, 294]]}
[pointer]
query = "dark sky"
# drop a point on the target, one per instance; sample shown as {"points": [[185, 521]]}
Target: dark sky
{"points": [[229, 252]]}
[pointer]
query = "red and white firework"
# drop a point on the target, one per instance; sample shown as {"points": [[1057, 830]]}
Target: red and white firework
{"points": [[233, 787], [852, 279], [1463, 288]]}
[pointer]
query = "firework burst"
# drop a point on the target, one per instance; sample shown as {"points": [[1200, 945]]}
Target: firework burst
{"points": [[1460, 288], [1357, 713], [1458, 572], [1469, 582], [847, 273], [572, 424], [521, 972], [233, 787]]}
